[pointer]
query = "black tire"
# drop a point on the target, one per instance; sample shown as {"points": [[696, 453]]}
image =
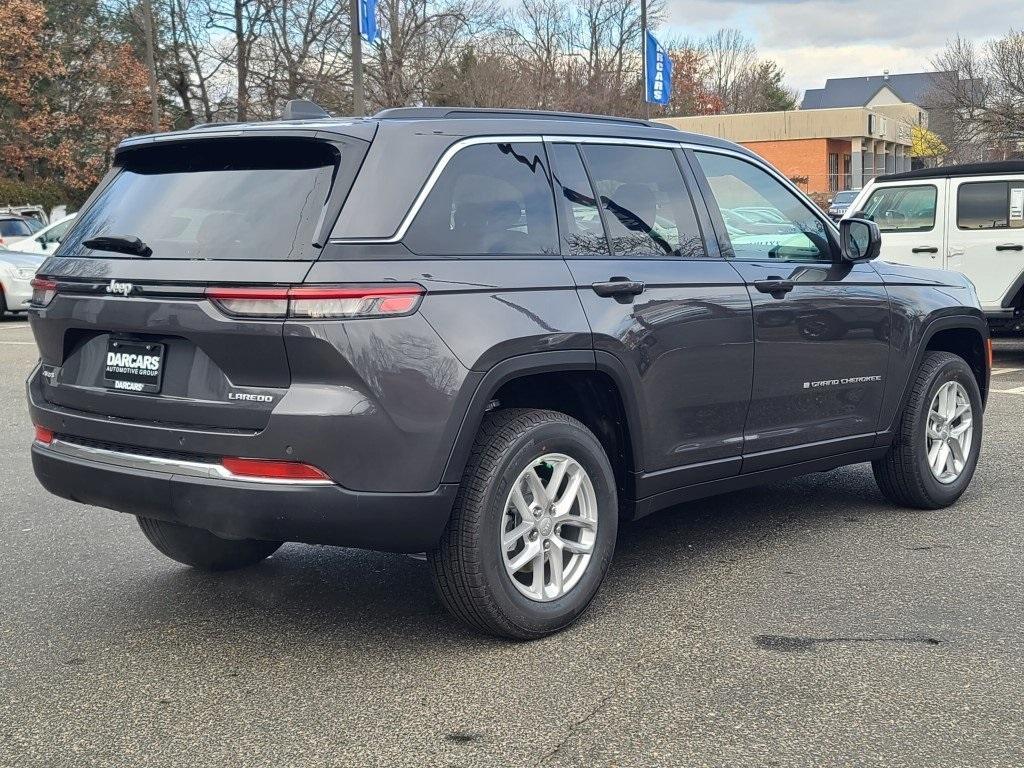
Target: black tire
{"points": [[202, 549], [468, 569], [903, 474]]}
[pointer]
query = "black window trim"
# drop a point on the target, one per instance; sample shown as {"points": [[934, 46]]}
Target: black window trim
{"points": [[889, 185], [1009, 182], [725, 243]]}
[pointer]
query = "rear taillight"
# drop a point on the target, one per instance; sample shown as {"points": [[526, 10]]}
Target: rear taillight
{"points": [[319, 301], [266, 469], [43, 291], [44, 435]]}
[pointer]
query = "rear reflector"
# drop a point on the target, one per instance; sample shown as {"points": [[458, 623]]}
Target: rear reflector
{"points": [[266, 469], [44, 435], [988, 353], [43, 291], [319, 301]]}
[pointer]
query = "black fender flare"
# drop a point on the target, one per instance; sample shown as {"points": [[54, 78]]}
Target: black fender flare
{"points": [[934, 326], [529, 365]]}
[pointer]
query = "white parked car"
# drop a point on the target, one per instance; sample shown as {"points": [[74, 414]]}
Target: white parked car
{"points": [[48, 238], [16, 273], [967, 218]]}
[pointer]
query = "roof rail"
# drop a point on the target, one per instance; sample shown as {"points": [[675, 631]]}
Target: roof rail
{"points": [[438, 113]]}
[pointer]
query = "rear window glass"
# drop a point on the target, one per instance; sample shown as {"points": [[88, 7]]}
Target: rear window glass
{"points": [[14, 228], [491, 199], [648, 210], [990, 205], [238, 199]]}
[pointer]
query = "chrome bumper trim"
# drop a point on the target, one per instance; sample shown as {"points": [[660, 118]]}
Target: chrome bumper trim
{"points": [[126, 460]]}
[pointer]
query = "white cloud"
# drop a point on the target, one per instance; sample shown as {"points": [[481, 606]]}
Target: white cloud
{"points": [[816, 39]]}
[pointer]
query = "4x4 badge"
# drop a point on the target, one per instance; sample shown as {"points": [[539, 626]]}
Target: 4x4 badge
{"points": [[121, 288]]}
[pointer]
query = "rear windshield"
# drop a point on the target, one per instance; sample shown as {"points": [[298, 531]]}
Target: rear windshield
{"points": [[238, 199], [844, 198], [14, 228]]}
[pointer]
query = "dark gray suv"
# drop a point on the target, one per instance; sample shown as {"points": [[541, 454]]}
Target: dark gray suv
{"points": [[487, 336]]}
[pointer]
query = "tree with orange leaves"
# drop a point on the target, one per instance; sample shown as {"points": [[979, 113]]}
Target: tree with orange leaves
{"points": [[57, 128]]}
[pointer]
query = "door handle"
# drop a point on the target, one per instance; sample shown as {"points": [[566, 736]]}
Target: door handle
{"points": [[618, 287], [777, 287], [924, 249], [1010, 247]]}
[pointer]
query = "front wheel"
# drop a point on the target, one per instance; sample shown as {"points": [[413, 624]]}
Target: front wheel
{"points": [[936, 448], [533, 527]]}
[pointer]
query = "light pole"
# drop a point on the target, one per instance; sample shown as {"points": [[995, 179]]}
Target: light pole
{"points": [[643, 54], [358, 108]]}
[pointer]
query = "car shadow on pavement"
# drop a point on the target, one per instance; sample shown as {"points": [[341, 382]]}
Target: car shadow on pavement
{"points": [[328, 594]]}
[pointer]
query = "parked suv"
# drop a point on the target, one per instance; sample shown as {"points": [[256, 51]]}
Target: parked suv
{"points": [[487, 336], [968, 218]]}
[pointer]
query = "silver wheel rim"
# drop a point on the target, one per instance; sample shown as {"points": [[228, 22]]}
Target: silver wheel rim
{"points": [[950, 432], [549, 527]]}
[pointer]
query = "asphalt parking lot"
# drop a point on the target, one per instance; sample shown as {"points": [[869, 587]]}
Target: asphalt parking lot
{"points": [[807, 623]]}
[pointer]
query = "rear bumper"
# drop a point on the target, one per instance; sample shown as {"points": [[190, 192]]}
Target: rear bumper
{"points": [[233, 508]]}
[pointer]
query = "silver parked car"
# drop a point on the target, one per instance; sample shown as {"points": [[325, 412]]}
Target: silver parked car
{"points": [[16, 273]]}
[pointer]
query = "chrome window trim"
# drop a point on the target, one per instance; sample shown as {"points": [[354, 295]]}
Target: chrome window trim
{"points": [[128, 460], [428, 185]]}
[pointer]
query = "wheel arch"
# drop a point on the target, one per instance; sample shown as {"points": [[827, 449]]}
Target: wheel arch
{"points": [[592, 388], [963, 335]]}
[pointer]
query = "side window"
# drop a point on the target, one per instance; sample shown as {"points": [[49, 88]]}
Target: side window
{"points": [[491, 199], [764, 219], [903, 209], [990, 205], [582, 230], [647, 208]]}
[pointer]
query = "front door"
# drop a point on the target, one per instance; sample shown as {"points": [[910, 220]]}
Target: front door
{"points": [[912, 220], [821, 325], [987, 234], [677, 321]]}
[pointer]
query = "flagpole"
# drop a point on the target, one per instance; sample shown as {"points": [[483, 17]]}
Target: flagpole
{"points": [[358, 109], [643, 53]]}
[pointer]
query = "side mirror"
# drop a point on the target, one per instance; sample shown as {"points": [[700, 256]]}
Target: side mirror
{"points": [[860, 239]]}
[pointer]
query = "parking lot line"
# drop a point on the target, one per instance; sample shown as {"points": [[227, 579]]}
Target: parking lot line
{"points": [[1001, 371], [19, 343]]}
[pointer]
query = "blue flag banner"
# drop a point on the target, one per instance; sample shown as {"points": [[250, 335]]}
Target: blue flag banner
{"points": [[368, 20], [659, 71]]}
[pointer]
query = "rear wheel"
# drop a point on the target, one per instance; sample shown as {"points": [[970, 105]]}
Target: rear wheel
{"points": [[533, 528], [202, 549], [936, 449]]}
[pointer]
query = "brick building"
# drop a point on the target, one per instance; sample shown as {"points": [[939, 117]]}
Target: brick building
{"points": [[821, 150]]}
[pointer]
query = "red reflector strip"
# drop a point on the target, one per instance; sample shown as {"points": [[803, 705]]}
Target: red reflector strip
{"points": [[44, 435], [267, 469]]}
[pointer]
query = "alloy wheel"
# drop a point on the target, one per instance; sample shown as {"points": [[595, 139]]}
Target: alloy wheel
{"points": [[950, 432], [549, 527]]}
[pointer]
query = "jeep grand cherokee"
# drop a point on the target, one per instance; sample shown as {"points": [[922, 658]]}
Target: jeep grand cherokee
{"points": [[487, 336]]}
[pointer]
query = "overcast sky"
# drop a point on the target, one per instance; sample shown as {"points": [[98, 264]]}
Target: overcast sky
{"points": [[817, 39]]}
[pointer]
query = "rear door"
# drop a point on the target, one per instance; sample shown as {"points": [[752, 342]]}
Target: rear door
{"points": [[912, 219], [987, 231], [821, 325], [676, 318], [139, 335]]}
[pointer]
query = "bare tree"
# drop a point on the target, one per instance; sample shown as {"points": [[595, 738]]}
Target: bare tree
{"points": [[978, 98]]}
